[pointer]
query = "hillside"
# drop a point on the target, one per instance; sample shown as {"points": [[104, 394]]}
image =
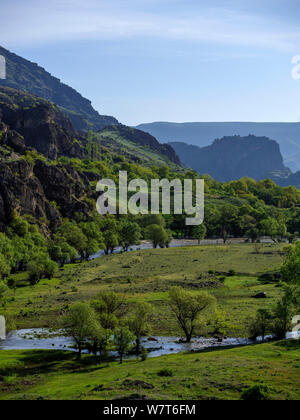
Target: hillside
{"points": [[47, 168], [138, 145], [232, 158], [27, 76], [203, 134]]}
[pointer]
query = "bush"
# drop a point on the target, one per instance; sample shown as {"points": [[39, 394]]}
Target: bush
{"points": [[257, 393], [231, 273], [165, 372]]}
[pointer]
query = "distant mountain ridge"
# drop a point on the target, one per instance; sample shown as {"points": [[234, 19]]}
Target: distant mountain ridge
{"points": [[27, 76], [232, 158], [203, 134]]}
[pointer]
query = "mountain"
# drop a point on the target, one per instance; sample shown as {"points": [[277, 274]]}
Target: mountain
{"points": [[203, 134], [27, 76], [48, 169], [232, 158]]}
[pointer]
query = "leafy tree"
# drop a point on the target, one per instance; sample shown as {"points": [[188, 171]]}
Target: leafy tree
{"points": [[156, 234], [187, 307], [122, 340], [80, 323], [261, 324], [284, 311], [41, 266], [139, 323], [108, 307], [3, 289], [199, 232], [129, 234], [290, 269], [4, 267]]}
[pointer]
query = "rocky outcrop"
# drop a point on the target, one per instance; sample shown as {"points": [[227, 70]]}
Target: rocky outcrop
{"points": [[232, 158], [44, 191], [27, 76], [41, 125]]}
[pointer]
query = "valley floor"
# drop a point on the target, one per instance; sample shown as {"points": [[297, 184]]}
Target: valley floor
{"points": [[148, 275]]}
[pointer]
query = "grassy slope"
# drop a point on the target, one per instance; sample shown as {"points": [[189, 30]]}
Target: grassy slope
{"points": [[152, 273], [146, 154], [221, 374]]}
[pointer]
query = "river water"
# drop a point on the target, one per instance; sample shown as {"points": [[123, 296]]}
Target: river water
{"points": [[44, 339]]}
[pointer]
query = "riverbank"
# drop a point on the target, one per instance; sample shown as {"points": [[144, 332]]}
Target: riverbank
{"points": [[218, 374]]}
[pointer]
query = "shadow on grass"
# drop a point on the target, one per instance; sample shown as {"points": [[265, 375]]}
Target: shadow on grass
{"points": [[45, 361]]}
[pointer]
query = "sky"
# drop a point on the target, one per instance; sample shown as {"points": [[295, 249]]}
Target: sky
{"points": [[166, 60]]}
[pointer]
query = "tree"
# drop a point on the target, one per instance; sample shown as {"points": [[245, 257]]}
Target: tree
{"points": [[284, 311], [139, 324], [107, 306], [4, 267], [187, 307], [261, 324], [290, 270], [80, 323], [41, 266], [122, 340], [156, 234], [3, 289], [199, 232], [129, 234]]}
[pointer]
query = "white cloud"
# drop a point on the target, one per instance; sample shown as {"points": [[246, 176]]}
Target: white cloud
{"points": [[35, 22]]}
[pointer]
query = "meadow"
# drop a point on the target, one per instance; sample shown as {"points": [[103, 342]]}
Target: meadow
{"points": [[229, 272]]}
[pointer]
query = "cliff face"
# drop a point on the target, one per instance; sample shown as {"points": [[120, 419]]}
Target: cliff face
{"points": [[31, 189], [27, 76], [232, 158], [42, 125]]}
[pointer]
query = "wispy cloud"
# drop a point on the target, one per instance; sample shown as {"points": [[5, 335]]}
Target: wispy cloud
{"points": [[35, 22]]}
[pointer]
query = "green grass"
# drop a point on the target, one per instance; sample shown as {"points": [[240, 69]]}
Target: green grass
{"points": [[147, 276], [218, 374]]}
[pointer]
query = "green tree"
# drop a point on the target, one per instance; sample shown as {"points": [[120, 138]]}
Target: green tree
{"points": [[80, 323], [261, 324], [284, 311], [129, 234], [290, 269], [187, 307], [108, 306], [156, 234], [139, 323], [199, 232], [123, 341]]}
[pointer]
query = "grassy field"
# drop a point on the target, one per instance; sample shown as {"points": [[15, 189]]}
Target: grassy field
{"points": [[220, 374], [147, 276]]}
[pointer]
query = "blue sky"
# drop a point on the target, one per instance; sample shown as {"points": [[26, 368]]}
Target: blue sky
{"points": [[166, 60]]}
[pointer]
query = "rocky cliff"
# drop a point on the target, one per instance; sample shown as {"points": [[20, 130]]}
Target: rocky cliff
{"points": [[232, 158]]}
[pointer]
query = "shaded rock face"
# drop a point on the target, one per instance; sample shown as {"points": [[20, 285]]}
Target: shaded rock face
{"points": [[42, 125], [27, 76], [232, 158], [32, 190]]}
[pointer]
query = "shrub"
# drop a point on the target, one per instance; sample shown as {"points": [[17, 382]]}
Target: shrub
{"points": [[231, 273], [165, 372], [257, 393]]}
